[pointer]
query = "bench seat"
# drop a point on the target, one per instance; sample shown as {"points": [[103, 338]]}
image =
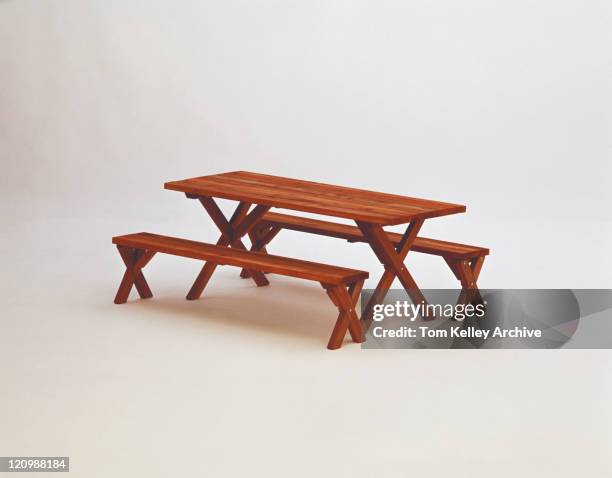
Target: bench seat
{"points": [[342, 284], [328, 274], [353, 234]]}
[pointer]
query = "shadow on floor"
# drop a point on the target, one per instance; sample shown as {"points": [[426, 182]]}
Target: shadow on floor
{"points": [[288, 308]]}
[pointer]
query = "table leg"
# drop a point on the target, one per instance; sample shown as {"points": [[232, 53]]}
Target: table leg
{"points": [[392, 258], [240, 224], [260, 237]]}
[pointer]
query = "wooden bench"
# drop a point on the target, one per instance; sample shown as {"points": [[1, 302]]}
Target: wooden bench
{"points": [[343, 285], [464, 261]]}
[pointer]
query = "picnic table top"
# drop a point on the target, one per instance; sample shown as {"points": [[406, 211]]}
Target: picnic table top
{"points": [[308, 196]]}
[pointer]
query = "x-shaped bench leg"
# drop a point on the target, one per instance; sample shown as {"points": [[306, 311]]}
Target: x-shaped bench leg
{"points": [[345, 300], [260, 237], [135, 260], [240, 224], [467, 272], [392, 258]]}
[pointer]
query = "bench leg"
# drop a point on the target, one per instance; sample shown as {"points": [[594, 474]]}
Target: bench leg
{"points": [[232, 231], [467, 272], [135, 260], [345, 300]]}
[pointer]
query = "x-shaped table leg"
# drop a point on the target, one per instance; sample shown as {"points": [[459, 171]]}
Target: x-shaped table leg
{"points": [[135, 260], [240, 224], [260, 237], [392, 258]]}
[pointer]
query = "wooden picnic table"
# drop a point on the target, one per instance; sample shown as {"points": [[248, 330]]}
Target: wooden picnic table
{"points": [[371, 211]]}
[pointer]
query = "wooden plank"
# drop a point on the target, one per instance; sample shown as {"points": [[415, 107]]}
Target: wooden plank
{"points": [[313, 226], [235, 257], [250, 220], [273, 191]]}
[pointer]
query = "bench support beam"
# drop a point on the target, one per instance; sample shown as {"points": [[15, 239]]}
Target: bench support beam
{"points": [[467, 272], [346, 302]]}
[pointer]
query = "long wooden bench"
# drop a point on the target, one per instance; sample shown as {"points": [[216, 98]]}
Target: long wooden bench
{"points": [[343, 285], [464, 261]]}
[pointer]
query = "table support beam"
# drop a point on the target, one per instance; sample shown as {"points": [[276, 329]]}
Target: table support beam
{"points": [[232, 231], [260, 237]]}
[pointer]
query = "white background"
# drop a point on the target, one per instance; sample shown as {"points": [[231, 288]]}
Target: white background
{"points": [[503, 106]]}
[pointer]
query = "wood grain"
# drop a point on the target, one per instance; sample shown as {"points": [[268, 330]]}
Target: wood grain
{"points": [[275, 191], [221, 255]]}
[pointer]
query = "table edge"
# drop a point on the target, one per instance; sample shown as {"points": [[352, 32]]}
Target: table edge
{"points": [[180, 186]]}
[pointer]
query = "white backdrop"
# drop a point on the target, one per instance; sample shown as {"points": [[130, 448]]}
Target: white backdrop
{"points": [[503, 106]]}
